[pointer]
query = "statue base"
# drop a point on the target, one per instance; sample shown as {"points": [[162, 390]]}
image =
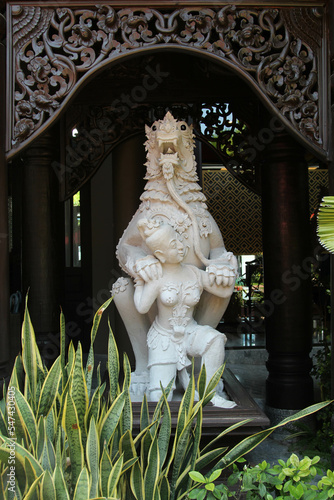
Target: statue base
{"points": [[215, 419]]}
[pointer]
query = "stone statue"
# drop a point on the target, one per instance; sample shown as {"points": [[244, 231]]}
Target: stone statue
{"points": [[174, 334], [172, 196]]}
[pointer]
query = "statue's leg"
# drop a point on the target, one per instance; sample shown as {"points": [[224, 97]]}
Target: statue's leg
{"points": [[136, 324], [161, 374], [210, 309]]}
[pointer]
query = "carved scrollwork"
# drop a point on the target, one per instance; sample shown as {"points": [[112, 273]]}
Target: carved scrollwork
{"points": [[55, 48]]}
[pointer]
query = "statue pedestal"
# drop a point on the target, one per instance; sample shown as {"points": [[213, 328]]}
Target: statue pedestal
{"points": [[215, 419]]}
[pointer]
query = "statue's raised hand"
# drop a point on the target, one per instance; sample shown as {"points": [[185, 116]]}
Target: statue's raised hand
{"points": [[148, 268], [223, 271]]}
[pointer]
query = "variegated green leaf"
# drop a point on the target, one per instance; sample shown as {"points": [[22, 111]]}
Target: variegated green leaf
{"points": [[73, 431], [127, 447], [137, 482], [113, 364], [111, 419], [144, 414], [114, 476], [105, 470], [93, 457], [201, 382], [164, 433], [60, 484], [153, 469], [81, 491], [164, 488], [94, 408], [30, 353], [30, 473], [8, 456], [32, 493], [214, 380], [48, 491], [26, 416], [49, 389], [78, 390], [63, 348]]}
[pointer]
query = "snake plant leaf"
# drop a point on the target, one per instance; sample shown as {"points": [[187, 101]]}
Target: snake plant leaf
{"points": [[93, 457], [325, 226], [105, 470], [127, 447], [195, 451], [113, 363], [224, 432], [214, 380], [48, 491], [60, 484], [164, 488], [30, 353], [152, 470], [73, 431], [144, 414], [30, 473], [32, 493], [127, 417], [17, 375], [49, 389], [81, 491], [70, 358], [62, 347], [201, 382], [164, 432], [137, 482], [129, 464], [20, 451], [114, 476], [78, 390], [180, 451], [25, 416], [7, 458], [94, 408], [111, 419], [3, 425], [251, 442], [45, 458]]}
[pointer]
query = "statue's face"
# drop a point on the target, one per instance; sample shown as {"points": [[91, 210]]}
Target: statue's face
{"points": [[166, 246], [172, 251], [170, 135]]}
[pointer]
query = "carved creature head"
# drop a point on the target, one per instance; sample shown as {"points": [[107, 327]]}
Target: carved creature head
{"points": [[170, 139]]}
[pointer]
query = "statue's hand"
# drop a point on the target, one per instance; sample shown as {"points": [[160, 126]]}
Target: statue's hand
{"points": [[148, 268], [223, 271]]}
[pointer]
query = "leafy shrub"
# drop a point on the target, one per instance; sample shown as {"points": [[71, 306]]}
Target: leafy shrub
{"points": [[61, 440], [293, 479]]}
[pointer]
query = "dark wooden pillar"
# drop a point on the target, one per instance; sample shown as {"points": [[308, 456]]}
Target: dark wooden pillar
{"points": [[4, 250], [40, 252], [287, 266], [128, 161]]}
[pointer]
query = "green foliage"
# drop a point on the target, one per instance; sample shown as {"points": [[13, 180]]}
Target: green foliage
{"points": [[319, 440], [293, 479], [74, 442]]}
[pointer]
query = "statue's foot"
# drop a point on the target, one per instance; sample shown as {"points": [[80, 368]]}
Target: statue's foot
{"points": [[138, 385], [222, 402]]}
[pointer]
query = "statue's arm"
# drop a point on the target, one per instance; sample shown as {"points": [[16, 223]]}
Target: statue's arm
{"points": [[145, 295], [134, 257]]}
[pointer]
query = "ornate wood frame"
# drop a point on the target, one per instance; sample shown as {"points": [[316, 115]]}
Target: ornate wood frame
{"points": [[282, 52]]}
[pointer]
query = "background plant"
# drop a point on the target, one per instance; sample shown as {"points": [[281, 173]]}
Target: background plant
{"points": [[293, 479]]}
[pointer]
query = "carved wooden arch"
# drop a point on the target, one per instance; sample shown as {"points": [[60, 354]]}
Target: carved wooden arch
{"points": [[279, 51]]}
